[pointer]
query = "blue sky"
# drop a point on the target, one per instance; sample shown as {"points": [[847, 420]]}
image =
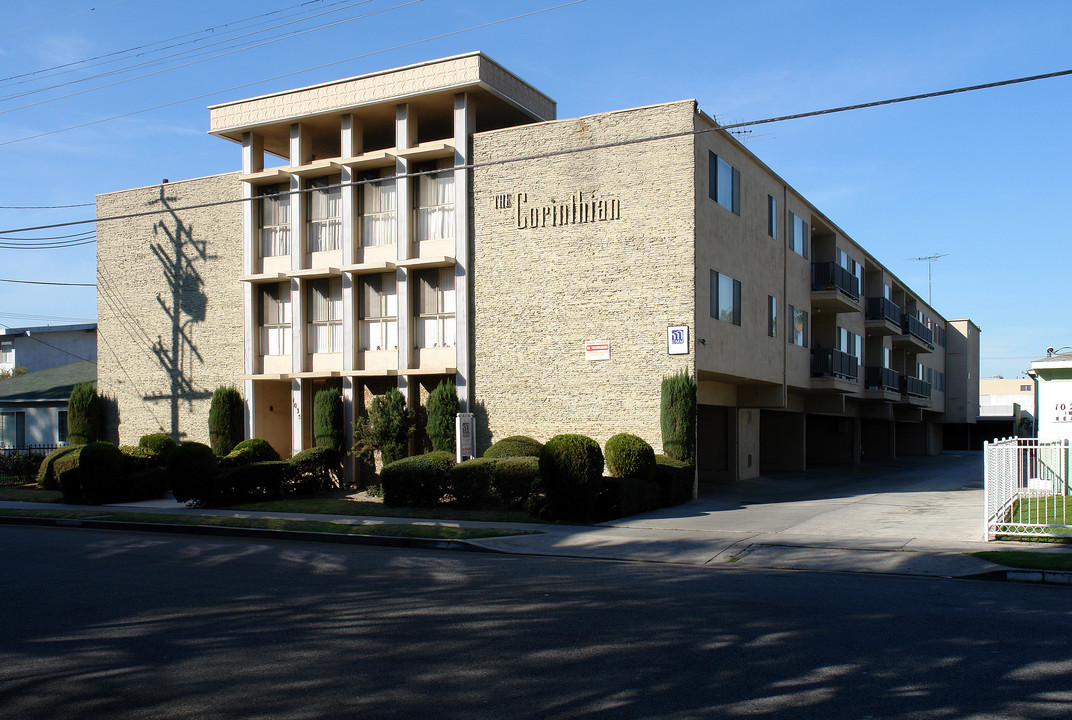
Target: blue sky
{"points": [[982, 176]]}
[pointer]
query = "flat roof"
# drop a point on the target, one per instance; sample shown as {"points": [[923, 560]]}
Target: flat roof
{"points": [[18, 332]]}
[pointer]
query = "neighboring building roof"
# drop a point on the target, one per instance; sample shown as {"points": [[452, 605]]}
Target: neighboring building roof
{"points": [[1053, 362], [55, 383], [18, 332]]}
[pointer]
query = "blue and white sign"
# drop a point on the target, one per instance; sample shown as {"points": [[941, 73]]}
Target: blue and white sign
{"points": [[465, 435], [677, 339]]}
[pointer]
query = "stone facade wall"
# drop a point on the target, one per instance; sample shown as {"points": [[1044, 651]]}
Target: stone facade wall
{"points": [[545, 282], [169, 305]]}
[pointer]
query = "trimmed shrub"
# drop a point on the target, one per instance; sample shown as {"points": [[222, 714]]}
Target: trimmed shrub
{"points": [[84, 415], [66, 469], [514, 446], [386, 428], [629, 456], [262, 450], [675, 480], [100, 472], [159, 443], [470, 482], [571, 468], [47, 475], [327, 419], [442, 411], [146, 484], [253, 482], [677, 416], [225, 425], [191, 469], [315, 469], [621, 496], [512, 483], [137, 458], [237, 458], [23, 465], [419, 481]]}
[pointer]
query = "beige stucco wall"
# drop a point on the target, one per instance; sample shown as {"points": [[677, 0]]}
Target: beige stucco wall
{"points": [[159, 365], [540, 294]]}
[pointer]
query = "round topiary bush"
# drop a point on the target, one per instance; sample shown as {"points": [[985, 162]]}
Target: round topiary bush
{"points": [[191, 469], [100, 472], [514, 446], [160, 444], [47, 475], [571, 468], [318, 468], [418, 481], [629, 456], [262, 450]]}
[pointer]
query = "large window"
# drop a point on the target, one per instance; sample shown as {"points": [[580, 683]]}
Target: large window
{"points": [[378, 312], [725, 184], [435, 305], [772, 316], [378, 212], [798, 326], [725, 298], [799, 239], [275, 319], [855, 269], [435, 203], [851, 343], [61, 426], [325, 315], [325, 214], [7, 354], [12, 429], [275, 221], [772, 216]]}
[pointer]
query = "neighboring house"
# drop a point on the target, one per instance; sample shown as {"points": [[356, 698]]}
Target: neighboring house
{"points": [[1053, 377], [38, 348], [33, 406], [437, 221]]}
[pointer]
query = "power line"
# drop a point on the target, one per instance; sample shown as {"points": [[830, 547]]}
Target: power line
{"points": [[43, 282], [43, 207], [24, 316], [289, 74], [56, 19]]}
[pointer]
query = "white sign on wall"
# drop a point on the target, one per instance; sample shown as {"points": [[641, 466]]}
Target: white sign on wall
{"points": [[464, 435], [597, 350], [677, 339], [1055, 410]]}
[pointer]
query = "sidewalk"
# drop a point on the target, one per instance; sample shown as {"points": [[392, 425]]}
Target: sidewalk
{"points": [[915, 519]]}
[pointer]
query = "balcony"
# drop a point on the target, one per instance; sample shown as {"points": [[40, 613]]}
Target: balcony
{"points": [[915, 334], [916, 391], [834, 370], [834, 289], [882, 317], [882, 383]]}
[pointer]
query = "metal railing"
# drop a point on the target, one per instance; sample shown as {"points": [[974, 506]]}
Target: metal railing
{"points": [[830, 276], [876, 378], [1027, 489], [880, 308], [913, 326], [36, 448], [915, 387], [834, 363]]}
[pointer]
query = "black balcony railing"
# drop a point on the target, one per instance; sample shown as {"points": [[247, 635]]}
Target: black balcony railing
{"points": [[833, 363], [880, 378], [913, 326], [830, 276], [915, 387], [880, 308]]}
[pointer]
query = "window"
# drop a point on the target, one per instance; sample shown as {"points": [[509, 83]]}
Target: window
{"points": [[725, 298], [61, 426], [378, 212], [434, 302], [772, 217], [325, 214], [887, 358], [435, 203], [798, 235], [275, 221], [325, 316], [851, 343], [725, 184], [7, 354], [12, 429], [886, 291], [275, 319], [798, 326], [772, 316], [1025, 388], [378, 312], [855, 269]]}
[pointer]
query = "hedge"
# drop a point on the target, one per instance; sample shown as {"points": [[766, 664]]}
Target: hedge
{"points": [[571, 470], [160, 444], [514, 446], [191, 469], [262, 450], [418, 481], [225, 419], [47, 475], [629, 456], [675, 480], [315, 469], [470, 482], [513, 481], [622, 496]]}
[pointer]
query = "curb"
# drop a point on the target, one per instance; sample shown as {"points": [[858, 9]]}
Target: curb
{"points": [[263, 533]]}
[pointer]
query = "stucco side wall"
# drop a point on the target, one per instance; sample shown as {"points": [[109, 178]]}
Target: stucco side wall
{"points": [[540, 293], [169, 305]]}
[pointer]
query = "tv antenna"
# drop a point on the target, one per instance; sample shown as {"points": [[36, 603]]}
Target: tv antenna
{"points": [[930, 259]]}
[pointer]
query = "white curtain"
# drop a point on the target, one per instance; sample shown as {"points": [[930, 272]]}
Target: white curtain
{"points": [[275, 223], [325, 215], [435, 206], [436, 307], [325, 316], [379, 313], [378, 221], [275, 320]]}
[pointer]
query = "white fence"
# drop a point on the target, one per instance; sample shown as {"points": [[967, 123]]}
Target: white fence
{"points": [[1027, 488]]}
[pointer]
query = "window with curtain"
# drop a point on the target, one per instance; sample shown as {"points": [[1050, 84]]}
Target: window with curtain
{"points": [[378, 213], [275, 221], [434, 305], [798, 326], [325, 214], [725, 298], [12, 429], [275, 319], [325, 315], [799, 237], [435, 203], [378, 312]]}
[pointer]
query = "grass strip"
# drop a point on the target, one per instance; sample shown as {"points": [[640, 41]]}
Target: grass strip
{"points": [[436, 532], [29, 492], [1027, 559], [338, 506]]}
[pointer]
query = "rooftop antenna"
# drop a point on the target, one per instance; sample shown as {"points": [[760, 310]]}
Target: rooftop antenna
{"points": [[930, 263]]}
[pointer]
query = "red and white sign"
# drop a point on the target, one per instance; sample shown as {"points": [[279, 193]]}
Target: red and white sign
{"points": [[597, 350]]}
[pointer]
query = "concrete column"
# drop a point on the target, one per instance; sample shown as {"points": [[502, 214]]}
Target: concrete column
{"points": [[464, 123], [350, 146], [297, 439], [405, 137], [252, 161]]}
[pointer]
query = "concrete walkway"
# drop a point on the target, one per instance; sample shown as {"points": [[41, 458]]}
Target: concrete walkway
{"points": [[916, 518]]}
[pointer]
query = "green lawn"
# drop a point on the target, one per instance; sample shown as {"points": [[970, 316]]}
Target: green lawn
{"points": [[340, 506], [437, 532], [1042, 511], [1027, 559], [29, 492]]}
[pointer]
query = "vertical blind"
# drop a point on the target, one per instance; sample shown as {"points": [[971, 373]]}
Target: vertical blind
{"points": [[325, 316], [275, 222], [378, 222], [325, 214], [435, 206]]}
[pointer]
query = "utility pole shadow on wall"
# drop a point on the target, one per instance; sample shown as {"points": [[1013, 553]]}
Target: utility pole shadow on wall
{"points": [[179, 253]]}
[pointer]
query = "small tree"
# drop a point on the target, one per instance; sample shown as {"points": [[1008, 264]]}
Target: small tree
{"points": [[84, 415], [386, 428], [678, 416], [225, 426], [442, 410], [327, 419]]}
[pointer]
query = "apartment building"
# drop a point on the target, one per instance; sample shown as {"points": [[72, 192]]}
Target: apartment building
{"points": [[437, 221]]}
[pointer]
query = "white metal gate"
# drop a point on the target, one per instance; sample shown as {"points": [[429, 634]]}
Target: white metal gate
{"points": [[1027, 487]]}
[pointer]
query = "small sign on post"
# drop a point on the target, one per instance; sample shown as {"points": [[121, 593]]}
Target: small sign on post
{"points": [[464, 435]]}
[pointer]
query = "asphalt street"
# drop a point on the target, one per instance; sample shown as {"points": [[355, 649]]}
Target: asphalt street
{"points": [[128, 625]]}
